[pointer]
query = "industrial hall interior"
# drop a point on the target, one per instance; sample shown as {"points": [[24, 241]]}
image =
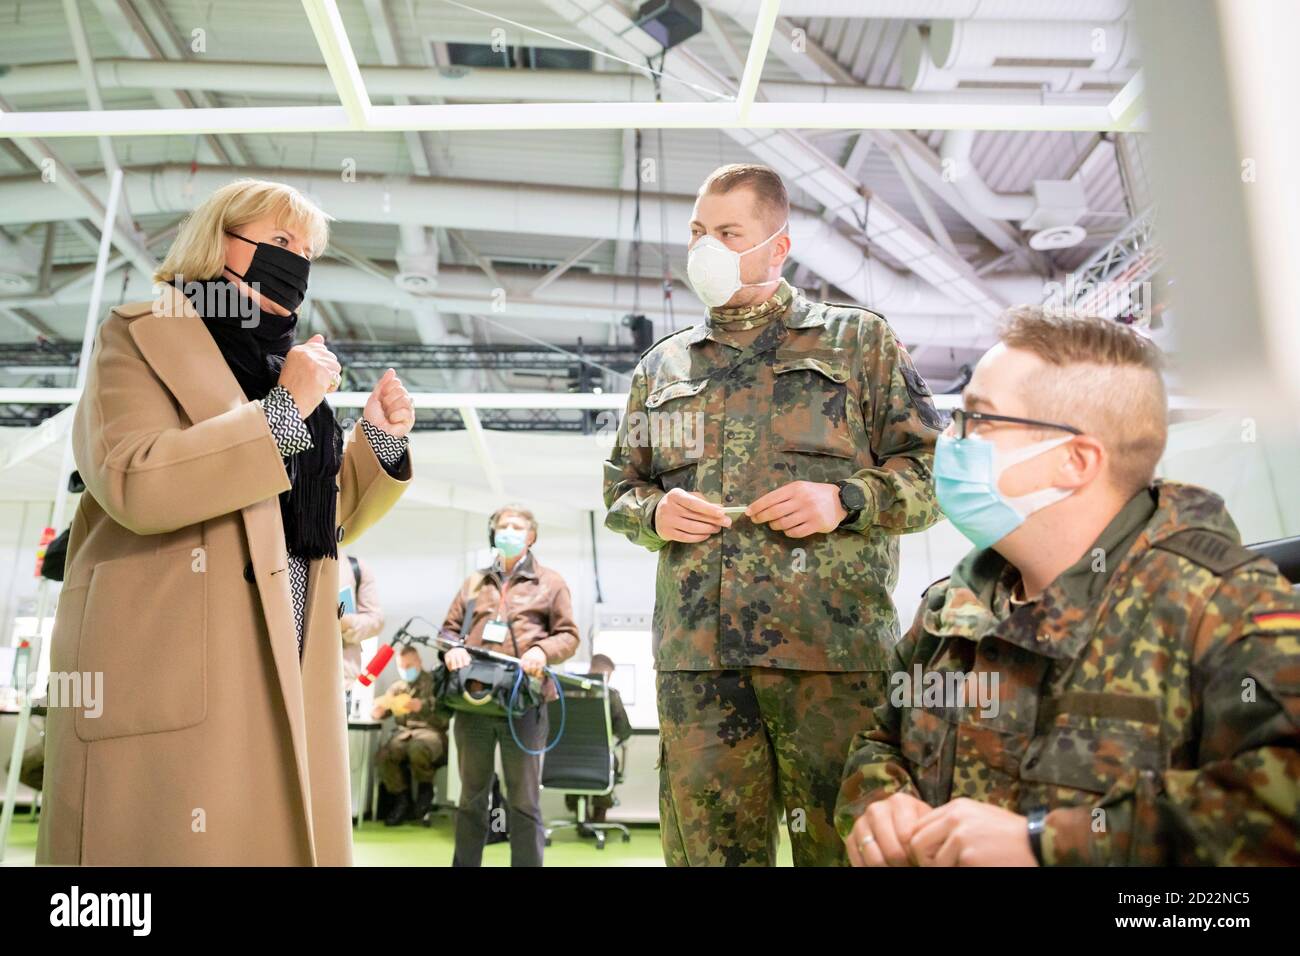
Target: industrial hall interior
{"points": [[649, 433]]}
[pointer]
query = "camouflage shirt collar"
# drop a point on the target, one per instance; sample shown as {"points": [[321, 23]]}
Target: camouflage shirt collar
{"points": [[978, 597], [752, 316], [1061, 621], [802, 313]]}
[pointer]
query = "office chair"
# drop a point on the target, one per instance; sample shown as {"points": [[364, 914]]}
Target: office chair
{"points": [[583, 761]]}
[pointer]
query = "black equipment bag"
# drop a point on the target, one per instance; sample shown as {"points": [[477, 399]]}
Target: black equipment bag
{"points": [[485, 686]]}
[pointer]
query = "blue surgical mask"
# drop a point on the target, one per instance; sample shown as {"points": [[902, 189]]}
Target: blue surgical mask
{"points": [[966, 473], [510, 541], [409, 673]]}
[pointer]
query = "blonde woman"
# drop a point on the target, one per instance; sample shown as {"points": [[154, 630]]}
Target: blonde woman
{"points": [[201, 587]]}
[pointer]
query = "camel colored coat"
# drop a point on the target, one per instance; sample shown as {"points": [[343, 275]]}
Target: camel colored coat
{"points": [[214, 744]]}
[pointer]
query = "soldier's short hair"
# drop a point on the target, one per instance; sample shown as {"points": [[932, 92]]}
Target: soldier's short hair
{"points": [[409, 649], [1104, 379], [763, 181]]}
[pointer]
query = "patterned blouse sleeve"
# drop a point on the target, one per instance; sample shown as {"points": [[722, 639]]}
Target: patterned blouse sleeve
{"points": [[389, 449], [288, 428]]}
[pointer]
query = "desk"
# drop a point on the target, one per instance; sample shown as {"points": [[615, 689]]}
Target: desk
{"points": [[367, 791]]}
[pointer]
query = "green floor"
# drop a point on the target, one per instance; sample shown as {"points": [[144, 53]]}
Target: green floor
{"points": [[414, 845], [22, 841]]}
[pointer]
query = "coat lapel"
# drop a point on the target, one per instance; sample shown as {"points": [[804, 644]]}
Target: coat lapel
{"points": [[177, 345]]}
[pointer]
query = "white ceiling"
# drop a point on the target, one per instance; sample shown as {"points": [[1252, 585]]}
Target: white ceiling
{"points": [[279, 32]]}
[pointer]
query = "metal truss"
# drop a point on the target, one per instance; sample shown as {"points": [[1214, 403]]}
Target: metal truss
{"points": [[1115, 282]]}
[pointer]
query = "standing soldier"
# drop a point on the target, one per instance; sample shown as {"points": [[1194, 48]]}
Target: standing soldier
{"points": [[772, 455], [419, 741], [1137, 669]]}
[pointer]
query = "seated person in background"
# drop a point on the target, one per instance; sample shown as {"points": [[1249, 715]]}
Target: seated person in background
{"points": [[1109, 677], [419, 742], [597, 806]]}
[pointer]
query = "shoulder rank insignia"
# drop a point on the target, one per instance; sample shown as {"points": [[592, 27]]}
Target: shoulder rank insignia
{"points": [[1216, 552]]}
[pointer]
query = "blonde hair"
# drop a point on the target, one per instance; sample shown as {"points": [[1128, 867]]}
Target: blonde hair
{"points": [[763, 181], [1104, 379], [199, 250]]}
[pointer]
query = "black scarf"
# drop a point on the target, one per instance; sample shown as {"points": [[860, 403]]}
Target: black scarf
{"points": [[255, 355]]}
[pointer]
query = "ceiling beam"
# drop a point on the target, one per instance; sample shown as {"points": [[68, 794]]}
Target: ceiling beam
{"points": [[561, 268], [881, 112], [86, 62], [815, 64], [758, 45], [469, 415], [932, 220], [65, 178], [336, 50], [136, 41]]}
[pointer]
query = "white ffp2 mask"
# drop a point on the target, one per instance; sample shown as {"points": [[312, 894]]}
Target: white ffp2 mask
{"points": [[714, 270]]}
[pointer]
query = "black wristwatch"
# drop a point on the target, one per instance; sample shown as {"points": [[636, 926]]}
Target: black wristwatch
{"points": [[1037, 820], [853, 500]]}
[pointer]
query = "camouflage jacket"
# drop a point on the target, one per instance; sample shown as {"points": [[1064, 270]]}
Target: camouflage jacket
{"points": [[1149, 699], [825, 392], [431, 714]]}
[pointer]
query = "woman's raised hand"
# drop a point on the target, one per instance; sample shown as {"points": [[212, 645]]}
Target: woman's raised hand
{"points": [[309, 373]]}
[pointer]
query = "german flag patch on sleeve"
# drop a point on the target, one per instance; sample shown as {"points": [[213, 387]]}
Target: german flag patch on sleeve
{"points": [[1277, 620]]}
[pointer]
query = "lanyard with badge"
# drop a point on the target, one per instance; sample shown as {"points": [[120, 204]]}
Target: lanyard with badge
{"points": [[496, 630]]}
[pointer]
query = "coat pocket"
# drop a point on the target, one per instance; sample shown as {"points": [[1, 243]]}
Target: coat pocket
{"points": [[675, 424], [810, 403], [143, 641], [924, 740], [1086, 741]]}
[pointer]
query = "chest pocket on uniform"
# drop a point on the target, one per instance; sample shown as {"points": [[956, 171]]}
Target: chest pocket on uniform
{"points": [[675, 431], [1086, 741], [810, 402]]}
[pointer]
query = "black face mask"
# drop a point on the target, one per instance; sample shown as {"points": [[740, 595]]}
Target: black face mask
{"points": [[276, 273]]}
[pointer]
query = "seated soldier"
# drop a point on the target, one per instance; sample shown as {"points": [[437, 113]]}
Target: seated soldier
{"points": [[419, 742], [1109, 677], [598, 806]]}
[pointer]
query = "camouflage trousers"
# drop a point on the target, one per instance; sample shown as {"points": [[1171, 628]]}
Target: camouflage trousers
{"points": [[738, 747], [422, 749]]}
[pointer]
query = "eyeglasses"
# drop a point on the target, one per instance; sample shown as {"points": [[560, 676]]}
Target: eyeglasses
{"points": [[960, 417]]}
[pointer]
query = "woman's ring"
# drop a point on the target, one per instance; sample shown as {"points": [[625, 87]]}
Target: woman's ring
{"points": [[866, 839], [335, 382]]}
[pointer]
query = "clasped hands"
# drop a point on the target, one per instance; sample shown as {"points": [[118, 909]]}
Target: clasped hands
{"points": [[797, 509], [311, 371], [902, 830]]}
